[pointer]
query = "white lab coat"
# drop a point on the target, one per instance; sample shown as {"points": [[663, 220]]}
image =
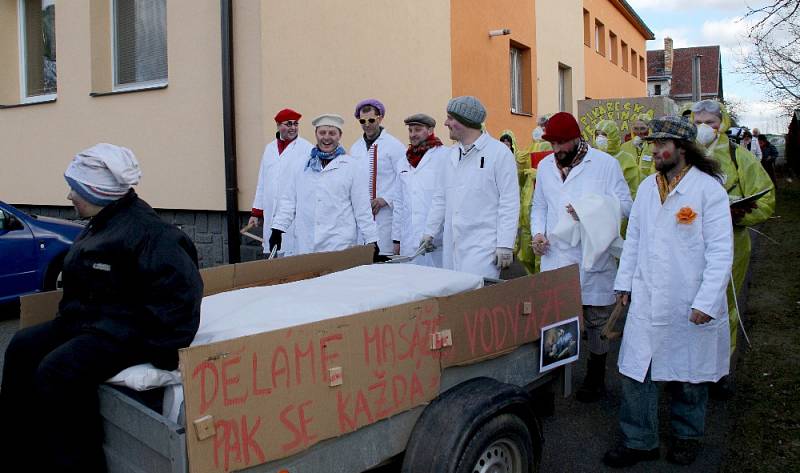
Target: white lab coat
{"points": [[390, 153], [416, 187], [754, 148], [274, 172], [330, 209], [670, 268], [477, 201], [598, 174]]}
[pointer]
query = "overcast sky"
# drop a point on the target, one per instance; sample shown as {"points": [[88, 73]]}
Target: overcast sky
{"points": [[713, 22]]}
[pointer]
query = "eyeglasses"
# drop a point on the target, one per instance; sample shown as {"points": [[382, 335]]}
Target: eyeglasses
{"points": [[291, 123], [365, 120]]}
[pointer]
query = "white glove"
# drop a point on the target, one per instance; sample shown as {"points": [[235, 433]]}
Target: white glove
{"points": [[427, 243], [503, 257]]}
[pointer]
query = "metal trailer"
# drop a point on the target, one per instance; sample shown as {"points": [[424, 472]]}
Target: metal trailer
{"points": [[499, 392]]}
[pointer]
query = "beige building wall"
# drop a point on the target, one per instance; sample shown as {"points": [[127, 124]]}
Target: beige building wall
{"points": [[559, 40], [176, 133], [398, 52], [319, 56]]}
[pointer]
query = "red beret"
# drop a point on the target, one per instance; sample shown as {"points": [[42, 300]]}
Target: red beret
{"points": [[287, 114], [561, 127]]}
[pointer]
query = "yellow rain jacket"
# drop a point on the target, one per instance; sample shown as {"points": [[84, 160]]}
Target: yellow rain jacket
{"points": [[527, 182], [743, 177], [627, 161], [523, 170], [643, 155], [524, 251]]}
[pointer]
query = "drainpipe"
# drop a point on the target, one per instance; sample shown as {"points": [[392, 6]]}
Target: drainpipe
{"points": [[229, 133]]}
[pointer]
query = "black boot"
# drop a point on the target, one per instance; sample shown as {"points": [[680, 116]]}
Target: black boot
{"points": [[594, 384]]}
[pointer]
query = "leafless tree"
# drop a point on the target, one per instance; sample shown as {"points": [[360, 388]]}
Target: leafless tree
{"points": [[774, 61]]}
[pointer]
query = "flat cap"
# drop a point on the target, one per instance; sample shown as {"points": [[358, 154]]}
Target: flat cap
{"points": [[671, 128], [328, 119], [420, 119]]}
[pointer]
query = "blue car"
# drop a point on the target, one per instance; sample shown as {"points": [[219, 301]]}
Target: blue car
{"points": [[32, 251]]}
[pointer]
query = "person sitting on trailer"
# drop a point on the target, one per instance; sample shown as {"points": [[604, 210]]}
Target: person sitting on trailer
{"points": [[132, 294]]}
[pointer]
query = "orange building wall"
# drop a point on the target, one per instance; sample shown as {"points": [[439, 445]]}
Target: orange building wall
{"points": [[604, 79], [481, 65]]}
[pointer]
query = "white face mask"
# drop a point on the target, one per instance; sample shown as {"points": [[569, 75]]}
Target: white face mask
{"points": [[637, 141], [705, 134], [538, 133], [601, 142]]}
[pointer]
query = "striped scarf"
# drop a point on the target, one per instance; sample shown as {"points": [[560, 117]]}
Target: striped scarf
{"points": [[664, 187], [583, 148]]}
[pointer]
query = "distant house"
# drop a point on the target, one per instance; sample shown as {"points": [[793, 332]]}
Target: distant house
{"points": [[669, 72]]}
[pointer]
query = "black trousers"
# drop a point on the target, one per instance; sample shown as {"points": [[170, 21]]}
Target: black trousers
{"points": [[48, 402]]}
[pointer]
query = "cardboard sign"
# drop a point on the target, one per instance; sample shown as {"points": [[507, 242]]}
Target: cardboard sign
{"points": [[268, 396], [491, 321], [622, 110], [264, 397]]}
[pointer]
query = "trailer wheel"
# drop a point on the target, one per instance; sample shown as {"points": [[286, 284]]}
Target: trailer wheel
{"points": [[502, 445], [480, 425]]}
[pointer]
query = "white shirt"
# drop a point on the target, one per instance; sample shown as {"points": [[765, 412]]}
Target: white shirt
{"points": [[330, 209], [477, 201], [670, 268], [390, 152], [599, 174], [416, 187], [274, 172]]}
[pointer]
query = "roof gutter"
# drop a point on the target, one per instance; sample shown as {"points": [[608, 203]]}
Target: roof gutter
{"points": [[628, 11], [229, 133]]}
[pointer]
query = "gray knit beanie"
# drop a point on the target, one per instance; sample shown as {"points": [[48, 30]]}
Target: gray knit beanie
{"points": [[468, 110]]}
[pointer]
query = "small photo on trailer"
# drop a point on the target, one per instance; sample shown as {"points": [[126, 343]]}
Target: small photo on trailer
{"points": [[560, 344]]}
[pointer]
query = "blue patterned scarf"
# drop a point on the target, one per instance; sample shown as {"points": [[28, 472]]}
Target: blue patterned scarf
{"points": [[315, 163]]}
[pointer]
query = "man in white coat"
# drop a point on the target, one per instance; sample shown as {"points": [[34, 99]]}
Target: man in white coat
{"points": [[573, 172], [282, 157], [326, 199], [477, 198], [675, 267], [417, 177], [381, 153]]}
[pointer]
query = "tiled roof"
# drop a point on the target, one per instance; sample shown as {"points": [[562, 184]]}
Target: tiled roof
{"points": [[710, 67]]}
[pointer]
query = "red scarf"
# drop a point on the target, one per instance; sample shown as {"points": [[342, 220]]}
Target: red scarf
{"points": [[282, 145], [415, 153]]}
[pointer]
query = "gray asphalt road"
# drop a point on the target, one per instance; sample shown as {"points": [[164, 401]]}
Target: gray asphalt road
{"points": [[578, 435]]}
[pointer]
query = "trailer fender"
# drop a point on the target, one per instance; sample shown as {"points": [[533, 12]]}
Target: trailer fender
{"points": [[445, 434]]}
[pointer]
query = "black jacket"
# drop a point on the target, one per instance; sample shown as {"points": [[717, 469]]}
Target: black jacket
{"points": [[134, 277]]}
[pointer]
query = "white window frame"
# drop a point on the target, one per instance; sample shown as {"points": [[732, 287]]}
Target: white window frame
{"points": [[515, 65], [115, 86], [23, 66]]}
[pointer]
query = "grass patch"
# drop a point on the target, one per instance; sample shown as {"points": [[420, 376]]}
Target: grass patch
{"points": [[766, 407]]}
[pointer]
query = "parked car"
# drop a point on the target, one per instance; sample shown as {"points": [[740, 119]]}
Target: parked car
{"points": [[32, 250]]}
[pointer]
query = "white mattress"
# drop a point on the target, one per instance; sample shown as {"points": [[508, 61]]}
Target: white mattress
{"points": [[254, 310]]}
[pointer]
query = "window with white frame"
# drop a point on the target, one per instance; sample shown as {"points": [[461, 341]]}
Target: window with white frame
{"points": [[37, 40], [516, 80], [140, 43]]}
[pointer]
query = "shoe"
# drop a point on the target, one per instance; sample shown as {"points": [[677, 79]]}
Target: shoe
{"points": [[683, 451], [622, 456], [593, 387]]}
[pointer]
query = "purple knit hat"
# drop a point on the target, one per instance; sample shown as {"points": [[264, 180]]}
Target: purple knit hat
{"points": [[374, 102]]}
